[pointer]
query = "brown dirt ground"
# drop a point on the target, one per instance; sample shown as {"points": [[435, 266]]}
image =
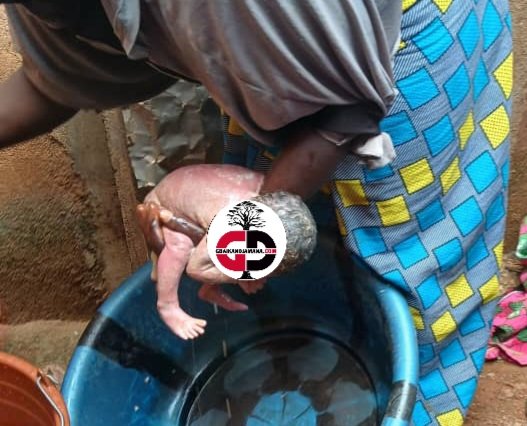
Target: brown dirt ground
{"points": [[43, 343], [501, 398]]}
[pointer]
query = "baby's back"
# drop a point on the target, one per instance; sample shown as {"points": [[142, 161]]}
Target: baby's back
{"points": [[198, 192]]}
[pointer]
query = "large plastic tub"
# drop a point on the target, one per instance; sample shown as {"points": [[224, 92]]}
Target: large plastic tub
{"points": [[326, 345]]}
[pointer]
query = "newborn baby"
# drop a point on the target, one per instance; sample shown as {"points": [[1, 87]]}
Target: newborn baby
{"points": [[176, 213]]}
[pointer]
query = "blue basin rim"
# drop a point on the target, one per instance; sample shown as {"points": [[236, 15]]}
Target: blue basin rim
{"points": [[405, 354], [142, 357]]}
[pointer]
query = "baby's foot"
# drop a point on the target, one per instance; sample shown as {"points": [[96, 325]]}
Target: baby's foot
{"points": [[181, 323], [214, 294]]}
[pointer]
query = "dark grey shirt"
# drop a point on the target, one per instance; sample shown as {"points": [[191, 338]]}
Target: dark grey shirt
{"points": [[267, 63], [77, 73]]}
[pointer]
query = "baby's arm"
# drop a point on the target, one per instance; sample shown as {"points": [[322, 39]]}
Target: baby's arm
{"points": [[171, 265]]}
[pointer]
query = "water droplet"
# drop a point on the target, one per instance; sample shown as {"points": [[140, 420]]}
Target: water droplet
{"points": [[228, 404]]}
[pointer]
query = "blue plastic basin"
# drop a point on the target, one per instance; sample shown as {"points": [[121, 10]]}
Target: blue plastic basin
{"points": [[326, 345]]}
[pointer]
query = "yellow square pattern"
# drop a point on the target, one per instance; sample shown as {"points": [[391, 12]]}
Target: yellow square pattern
{"points": [[402, 45], [267, 154], [407, 4], [490, 290], [342, 226], [351, 193], [458, 291], [498, 252], [417, 176], [326, 189], [393, 211], [443, 326], [466, 130], [443, 5], [418, 319], [450, 176], [504, 75], [451, 418], [496, 126], [234, 128]]}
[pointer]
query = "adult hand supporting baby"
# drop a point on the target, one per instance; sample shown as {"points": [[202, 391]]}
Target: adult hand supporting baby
{"points": [[187, 200], [174, 217]]}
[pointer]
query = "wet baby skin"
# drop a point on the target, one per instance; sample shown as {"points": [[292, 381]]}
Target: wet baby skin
{"points": [[173, 217]]}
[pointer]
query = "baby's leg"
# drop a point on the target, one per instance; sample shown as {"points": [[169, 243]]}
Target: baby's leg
{"points": [[170, 267], [213, 293]]}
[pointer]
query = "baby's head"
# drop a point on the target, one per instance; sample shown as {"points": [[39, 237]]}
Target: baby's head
{"points": [[300, 228]]}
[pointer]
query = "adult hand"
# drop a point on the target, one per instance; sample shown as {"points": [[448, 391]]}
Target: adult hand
{"points": [[152, 217], [186, 201], [200, 267]]}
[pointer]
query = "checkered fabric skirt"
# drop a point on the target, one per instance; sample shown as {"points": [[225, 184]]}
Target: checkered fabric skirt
{"points": [[432, 222]]}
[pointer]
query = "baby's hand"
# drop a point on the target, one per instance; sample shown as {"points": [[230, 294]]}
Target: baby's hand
{"points": [[251, 287], [201, 268]]}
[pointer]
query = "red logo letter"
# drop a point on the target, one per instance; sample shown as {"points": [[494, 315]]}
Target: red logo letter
{"points": [[238, 263]]}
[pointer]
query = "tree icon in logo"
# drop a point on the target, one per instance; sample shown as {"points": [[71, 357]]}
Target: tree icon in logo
{"points": [[247, 215]]}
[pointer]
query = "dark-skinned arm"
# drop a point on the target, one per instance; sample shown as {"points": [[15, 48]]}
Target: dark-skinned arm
{"points": [[304, 165], [25, 112]]}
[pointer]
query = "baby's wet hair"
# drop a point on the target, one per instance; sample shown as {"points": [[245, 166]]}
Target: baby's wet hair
{"points": [[299, 224]]}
